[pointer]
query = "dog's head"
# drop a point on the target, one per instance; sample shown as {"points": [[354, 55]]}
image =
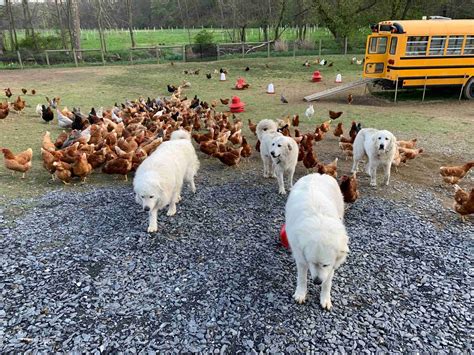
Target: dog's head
{"points": [[281, 146], [326, 256], [147, 197], [266, 126], [384, 141]]}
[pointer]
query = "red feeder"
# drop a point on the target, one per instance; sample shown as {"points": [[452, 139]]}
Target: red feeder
{"points": [[283, 237], [241, 84], [236, 105], [317, 76]]}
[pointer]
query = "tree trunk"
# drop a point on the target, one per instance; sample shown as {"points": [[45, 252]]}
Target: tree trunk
{"points": [[280, 20], [130, 22], [1, 43], [13, 37], [99, 22], [24, 4], [29, 24], [61, 25], [75, 20]]}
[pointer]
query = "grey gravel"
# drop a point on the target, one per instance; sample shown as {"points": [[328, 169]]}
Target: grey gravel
{"points": [[80, 273]]}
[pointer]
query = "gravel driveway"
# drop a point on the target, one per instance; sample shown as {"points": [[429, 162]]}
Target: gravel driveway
{"points": [[79, 272]]}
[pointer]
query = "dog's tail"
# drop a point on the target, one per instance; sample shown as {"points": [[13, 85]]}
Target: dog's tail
{"points": [[180, 134]]}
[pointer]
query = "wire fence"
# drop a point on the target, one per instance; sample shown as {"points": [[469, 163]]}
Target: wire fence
{"points": [[161, 54]]}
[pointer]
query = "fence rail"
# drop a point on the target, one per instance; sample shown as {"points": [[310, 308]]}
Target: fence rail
{"points": [[167, 53]]}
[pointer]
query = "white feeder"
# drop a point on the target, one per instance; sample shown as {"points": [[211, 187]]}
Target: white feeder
{"points": [[338, 78], [222, 77], [270, 89]]}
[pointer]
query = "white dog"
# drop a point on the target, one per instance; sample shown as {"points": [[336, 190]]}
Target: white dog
{"points": [[316, 233], [266, 132], [160, 177], [284, 153], [380, 148]]}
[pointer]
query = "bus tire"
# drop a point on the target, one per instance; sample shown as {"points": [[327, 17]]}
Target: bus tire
{"points": [[469, 89]]}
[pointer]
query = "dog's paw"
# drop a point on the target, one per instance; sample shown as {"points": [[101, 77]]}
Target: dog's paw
{"points": [[179, 199], [282, 192], [326, 304], [171, 212], [152, 229], [300, 297]]}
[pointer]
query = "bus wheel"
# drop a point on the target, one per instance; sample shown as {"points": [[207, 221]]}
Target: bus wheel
{"points": [[469, 89]]}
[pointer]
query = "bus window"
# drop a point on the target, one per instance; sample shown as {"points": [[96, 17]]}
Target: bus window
{"points": [[393, 45], [416, 45], [437, 45], [469, 46], [454, 45], [378, 45]]}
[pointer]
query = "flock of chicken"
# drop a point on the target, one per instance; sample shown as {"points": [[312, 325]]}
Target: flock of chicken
{"points": [[117, 140]]}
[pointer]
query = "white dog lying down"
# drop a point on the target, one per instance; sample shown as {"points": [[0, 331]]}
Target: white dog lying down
{"points": [[266, 131], [316, 233], [380, 147], [160, 177], [284, 153]]}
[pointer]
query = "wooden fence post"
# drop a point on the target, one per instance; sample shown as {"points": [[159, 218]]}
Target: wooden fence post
{"points": [[184, 53], [345, 45], [75, 57], [243, 49], [102, 55], [294, 49], [131, 56], [218, 49], [268, 49], [320, 46], [19, 59], [47, 58], [157, 50]]}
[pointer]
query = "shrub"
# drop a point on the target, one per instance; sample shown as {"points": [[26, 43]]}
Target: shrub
{"points": [[44, 42], [204, 37]]}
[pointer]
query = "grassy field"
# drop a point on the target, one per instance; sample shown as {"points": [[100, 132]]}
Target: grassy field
{"points": [[444, 126]]}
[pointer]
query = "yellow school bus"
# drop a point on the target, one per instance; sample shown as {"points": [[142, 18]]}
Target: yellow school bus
{"points": [[415, 53]]}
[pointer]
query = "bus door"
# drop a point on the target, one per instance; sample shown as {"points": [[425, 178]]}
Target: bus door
{"points": [[376, 56]]}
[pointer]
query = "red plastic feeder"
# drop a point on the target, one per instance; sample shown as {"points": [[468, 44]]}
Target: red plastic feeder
{"points": [[236, 105], [317, 76], [241, 84], [283, 237]]}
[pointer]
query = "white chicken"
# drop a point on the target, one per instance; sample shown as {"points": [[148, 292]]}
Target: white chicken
{"points": [[63, 121], [309, 112], [39, 110]]}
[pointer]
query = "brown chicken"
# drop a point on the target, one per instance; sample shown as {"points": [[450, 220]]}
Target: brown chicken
{"points": [[4, 113], [81, 167], [118, 166], [295, 121], [407, 144], [257, 145], [452, 174], [24, 91], [309, 160], [252, 127], [325, 126], [208, 147], [354, 130], [203, 137], [8, 92], [19, 105], [348, 186], [247, 149], [33, 92], [350, 98], [346, 149], [47, 143], [224, 101], [334, 115], [343, 139], [318, 134], [329, 169], [63, 136], [408, 154], [20, 162], [338, 131], [97, 158], [63, 171], [463, 202], [231, 157], [236, 137], [48, 161]]}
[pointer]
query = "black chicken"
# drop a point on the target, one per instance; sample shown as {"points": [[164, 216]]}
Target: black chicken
{"points": [[78, 122], [46, 113], [172, 88], [208, 75]]}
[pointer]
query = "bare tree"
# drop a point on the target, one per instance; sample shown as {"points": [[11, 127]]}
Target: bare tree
{"points": [[74, 21], [12, 29], [130, 22], [103, 44], [29, 30], [60, 23]]}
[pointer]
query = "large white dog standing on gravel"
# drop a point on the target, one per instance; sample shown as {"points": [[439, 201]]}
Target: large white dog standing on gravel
{"points": [[279, 153], [380, 148], [284, 153], [266, 132], [316, 233], [160, 177]]}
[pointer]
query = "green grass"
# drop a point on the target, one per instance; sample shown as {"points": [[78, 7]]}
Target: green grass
{"points": [[439, 123]]}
